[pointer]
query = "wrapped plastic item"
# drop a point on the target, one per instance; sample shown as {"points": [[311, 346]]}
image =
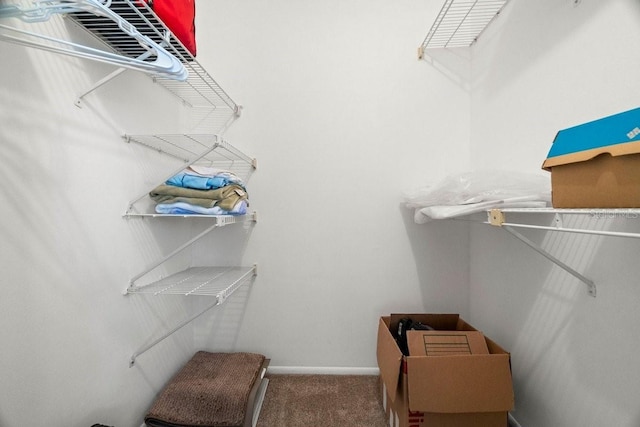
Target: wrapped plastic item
{"points": [[477, 191]]}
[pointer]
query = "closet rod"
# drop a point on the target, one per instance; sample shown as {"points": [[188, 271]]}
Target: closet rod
{"points": [[497, 218], [219, 300], [573, 230]]}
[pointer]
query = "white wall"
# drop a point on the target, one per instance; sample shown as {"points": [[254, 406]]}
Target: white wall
{"points": [[66, 252], [342, 118], [541, 67]]}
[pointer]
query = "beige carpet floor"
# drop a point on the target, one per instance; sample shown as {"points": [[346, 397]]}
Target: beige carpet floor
{"points": [[322, 400]]}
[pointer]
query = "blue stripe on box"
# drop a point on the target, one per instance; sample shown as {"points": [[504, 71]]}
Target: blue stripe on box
{"points": [[616, 129]]}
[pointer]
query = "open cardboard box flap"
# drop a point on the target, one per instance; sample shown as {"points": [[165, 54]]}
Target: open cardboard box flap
{"points": [[389, 357], [482, 383]]}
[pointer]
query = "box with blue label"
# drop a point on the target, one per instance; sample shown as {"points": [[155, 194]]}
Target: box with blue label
{"points": [[597, 164]]}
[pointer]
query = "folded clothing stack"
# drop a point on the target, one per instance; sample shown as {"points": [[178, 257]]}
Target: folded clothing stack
{"points": [[201, 190]]}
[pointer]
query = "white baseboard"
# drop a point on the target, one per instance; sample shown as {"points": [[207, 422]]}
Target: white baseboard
{"points": [[321, 370]]}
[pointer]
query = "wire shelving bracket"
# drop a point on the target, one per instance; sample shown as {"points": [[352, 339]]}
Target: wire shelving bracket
{"points": [[498, 218]]}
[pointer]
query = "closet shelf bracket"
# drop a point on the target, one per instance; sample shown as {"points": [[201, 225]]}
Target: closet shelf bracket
{"points": [[98, 84], [590, 284], [497, 218], [144, 56]]}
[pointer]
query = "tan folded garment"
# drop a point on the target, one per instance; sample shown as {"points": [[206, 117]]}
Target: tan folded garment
{"points": [[225, 197]]}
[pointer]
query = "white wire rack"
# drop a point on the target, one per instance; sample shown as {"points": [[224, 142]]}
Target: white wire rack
{"points": [[152, 58], [460, 23], [132, 37], [218, 282], [202, 148], [200, 91], [205, 150]]}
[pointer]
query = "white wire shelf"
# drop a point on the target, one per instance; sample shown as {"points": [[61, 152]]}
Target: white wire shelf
{"points": [[220, 220], [154, 59], [459, 23], [200, 91], [204, 150], [218, 282]]}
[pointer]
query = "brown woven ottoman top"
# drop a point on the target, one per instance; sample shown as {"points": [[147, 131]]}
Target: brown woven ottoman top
{"points": [[211, 390]]}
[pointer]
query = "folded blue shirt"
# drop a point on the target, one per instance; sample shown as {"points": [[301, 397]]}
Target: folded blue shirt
{"points": [[198, 182]]}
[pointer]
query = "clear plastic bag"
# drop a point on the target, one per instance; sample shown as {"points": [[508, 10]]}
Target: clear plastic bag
{"points": [[479, 190]]}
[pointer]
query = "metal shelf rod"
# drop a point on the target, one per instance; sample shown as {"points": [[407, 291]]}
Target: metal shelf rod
{"points": [[573, 230]]}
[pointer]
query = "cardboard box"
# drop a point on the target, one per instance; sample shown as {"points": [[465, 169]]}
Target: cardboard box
{"points": [[450, 390], [597, 164]]}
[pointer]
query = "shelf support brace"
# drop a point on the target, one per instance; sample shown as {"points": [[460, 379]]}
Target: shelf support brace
{"points": [[106, 79], [135, 355], [99, 83], [590, 284]]}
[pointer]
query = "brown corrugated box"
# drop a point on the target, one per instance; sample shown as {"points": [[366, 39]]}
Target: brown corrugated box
{"points": [[450, 390], [597, 164]]}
